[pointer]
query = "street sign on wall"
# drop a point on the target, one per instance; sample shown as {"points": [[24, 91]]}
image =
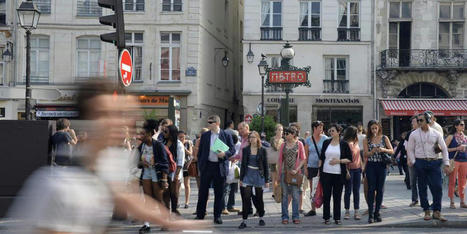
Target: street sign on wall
{"points": [[125, 65]]}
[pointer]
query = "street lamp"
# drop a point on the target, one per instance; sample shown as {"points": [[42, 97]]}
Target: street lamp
{"points": [[28, 16], [287, 54], [225, 60], [7, 55], [262, 68], [250, 56]]}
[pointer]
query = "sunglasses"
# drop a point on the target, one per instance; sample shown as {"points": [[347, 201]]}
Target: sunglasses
{"points": [[211, 122], [288, 133], [461, 124], [420, 120]]}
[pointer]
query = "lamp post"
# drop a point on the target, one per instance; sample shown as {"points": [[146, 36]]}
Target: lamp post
{"points": [[262, 68], [287, 54], [28, 15]]}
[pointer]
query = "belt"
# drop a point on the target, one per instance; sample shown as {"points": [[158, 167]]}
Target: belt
{"points": [[429, 159], [252, 167]]}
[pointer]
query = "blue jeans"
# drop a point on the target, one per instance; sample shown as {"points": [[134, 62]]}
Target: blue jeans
{"points": [[286, 191], [229, 195], [376, 176], [353, 186], [429, 173], [413, 183]]}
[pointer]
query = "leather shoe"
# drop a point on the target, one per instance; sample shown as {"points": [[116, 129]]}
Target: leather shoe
{"points": [[199, 218], [311, 213], [261, 222], [242, 225], [437, 215], [218, 220], [427, 215]]}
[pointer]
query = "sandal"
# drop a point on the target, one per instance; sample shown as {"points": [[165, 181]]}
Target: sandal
{"points": [[463, 205], [296, 221], [285, 221], [327, 222], [453, 206]]}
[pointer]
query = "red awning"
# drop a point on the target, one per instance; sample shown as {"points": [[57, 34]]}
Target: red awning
{"points": [[410, 107]]}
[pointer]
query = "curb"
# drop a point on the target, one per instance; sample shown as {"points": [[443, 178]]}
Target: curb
{"points": [[426, 224]]}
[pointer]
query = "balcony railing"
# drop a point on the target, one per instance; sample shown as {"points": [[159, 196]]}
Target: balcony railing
{"points": [[336, 86], [88, 8], [39, 80], [271, 33], [348, 34], [423, 59], [309, 34]]}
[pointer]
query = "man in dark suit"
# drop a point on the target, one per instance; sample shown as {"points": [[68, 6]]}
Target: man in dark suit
{"points": [[213, 167]]}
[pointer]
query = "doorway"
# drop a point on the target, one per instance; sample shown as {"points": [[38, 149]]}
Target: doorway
{"points": [[404, 44]]}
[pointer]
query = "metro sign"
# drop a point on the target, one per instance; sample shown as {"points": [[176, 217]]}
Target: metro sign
{"points": [[288, 77], [125, 65]]}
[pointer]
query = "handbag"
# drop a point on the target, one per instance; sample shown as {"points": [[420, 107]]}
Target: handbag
{"points": [[437, 148], [387, 159], [193, 169], [277, 193], [452, 164], [292, 179], [318, 196]]}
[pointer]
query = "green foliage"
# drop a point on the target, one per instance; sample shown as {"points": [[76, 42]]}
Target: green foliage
{"points": [[269, 126], [150, 114]]}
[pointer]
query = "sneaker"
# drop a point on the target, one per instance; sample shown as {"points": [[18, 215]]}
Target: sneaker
{"points": [[414, 203], [311, 213], [262, 223], [437, 215], [225, 212], [347, 214], [233, 210], [427, 215], [338, 222], [144, 229], [242, 225], [356, 215]]}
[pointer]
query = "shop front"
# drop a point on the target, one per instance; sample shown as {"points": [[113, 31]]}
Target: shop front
{"points": [[343, 111], [159, 107], [400, 110]]}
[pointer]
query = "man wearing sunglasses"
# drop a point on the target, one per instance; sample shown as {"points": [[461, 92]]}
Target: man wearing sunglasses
{"points": [[427, 164], [213, 167]]}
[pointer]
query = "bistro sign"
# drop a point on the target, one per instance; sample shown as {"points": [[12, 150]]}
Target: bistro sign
{"points": [[337, 101]]}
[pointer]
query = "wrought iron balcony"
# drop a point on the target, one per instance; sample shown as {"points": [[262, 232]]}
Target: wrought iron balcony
{"points": [[348, 34], [423, 59], [309, 34], [271, 33], [336, 86]]}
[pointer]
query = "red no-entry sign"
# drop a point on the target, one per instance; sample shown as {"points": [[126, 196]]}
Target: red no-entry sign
{"points": [[125, 65]]}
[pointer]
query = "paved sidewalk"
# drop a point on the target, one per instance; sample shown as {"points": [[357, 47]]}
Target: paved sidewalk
{"points": [[396, 197]]}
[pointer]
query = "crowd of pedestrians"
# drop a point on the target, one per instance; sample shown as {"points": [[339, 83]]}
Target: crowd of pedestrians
{"points": [[333, 166]]}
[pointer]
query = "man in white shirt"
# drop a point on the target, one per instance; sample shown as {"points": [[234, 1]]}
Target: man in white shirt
{"points": [[421, 154]]}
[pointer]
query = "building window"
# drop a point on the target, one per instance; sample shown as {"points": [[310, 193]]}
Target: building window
{"points": [[271, 20], [400, 10], [336, 78], [43, 6], [451, 25], [310, 20], [171, 5], [349, 21], [2, 13], [274, 61], [170, 56], [89, 53], [40, 59], [133, 5], [88, 8], [135, 43]]}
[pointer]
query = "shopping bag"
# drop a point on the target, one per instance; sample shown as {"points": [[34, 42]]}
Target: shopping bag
{"points": [[318, 197]]}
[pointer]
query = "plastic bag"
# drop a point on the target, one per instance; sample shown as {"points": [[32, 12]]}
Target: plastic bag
{"points": [[318, 197]]}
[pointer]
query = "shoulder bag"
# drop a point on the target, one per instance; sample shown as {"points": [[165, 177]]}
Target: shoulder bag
{"points": [[292, 179], [452, 164]]}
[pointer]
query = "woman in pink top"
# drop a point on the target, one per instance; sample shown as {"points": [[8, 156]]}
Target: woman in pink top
{"points": [[355, 171]]}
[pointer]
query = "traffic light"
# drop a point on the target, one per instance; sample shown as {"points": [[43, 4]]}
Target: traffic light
{"points": [[116, 21]]}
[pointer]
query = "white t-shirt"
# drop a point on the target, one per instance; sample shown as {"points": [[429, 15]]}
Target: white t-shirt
{"points": [[331, 153], [70, 200]]}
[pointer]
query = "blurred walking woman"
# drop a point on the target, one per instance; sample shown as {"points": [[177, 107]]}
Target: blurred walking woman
{"points": [[456, 142], [352, 185], [375, 145], [291, 159], [253, 174], [335, 154]]}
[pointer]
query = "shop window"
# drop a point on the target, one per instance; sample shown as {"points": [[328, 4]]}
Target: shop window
{"points": [[345, 116]]}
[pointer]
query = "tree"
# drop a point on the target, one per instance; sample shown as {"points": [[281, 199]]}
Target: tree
{"points": [[269, 125]]}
